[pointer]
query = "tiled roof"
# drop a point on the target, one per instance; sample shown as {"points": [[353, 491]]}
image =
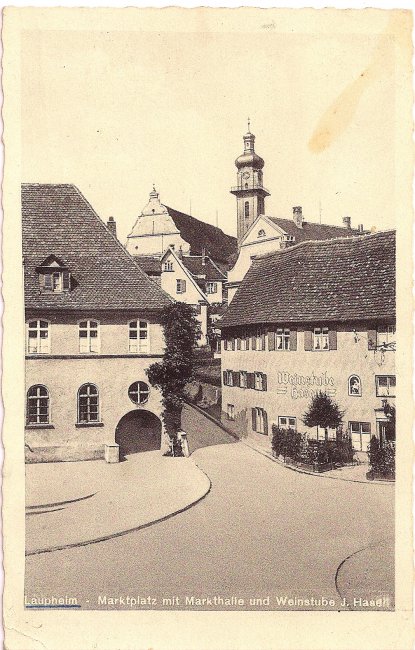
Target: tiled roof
{"points": [[58, 220], [208, 270], [337, 279], [198, 234], [313, 231], [150, 265]]}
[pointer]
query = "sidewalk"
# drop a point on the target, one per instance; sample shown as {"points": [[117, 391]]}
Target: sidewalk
{"points": [[73, 504]]}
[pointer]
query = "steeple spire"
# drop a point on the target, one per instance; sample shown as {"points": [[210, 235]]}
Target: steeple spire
{"points": [[249, 125]]}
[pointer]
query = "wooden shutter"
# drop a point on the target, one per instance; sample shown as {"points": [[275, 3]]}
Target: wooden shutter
{"points": [[253, 411], [48, 280], [238, 343], [271, 340], [247, 342], [308, 340], [371, 339], [250, 379], [66, 280], [293, 340], [236, 380], [263, 341], [265, 416], [332, 339], [264, 381], [253, 339], [224, 378]]}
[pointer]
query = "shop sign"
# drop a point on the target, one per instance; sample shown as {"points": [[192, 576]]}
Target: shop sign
{"points": [[304, 386]]}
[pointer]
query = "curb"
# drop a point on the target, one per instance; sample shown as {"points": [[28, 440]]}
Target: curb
{"points": [[104, 538], [266, 454], [58, 503]]}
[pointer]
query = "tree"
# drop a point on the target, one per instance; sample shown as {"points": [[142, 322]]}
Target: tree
{"points": [[323, 412], [170, 376]]}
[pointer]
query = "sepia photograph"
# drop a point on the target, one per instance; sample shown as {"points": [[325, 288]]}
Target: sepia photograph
{"points": [[212, 339]]}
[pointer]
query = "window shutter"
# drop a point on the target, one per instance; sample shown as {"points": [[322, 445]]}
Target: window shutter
{"points": [[308, 340], [271, 340], [332, 339], [293, 340], [238, 343], [48, 280], [265, 416], [371, 340], [253, 411], [263, 341], [253, 339], [235, 374], [247, 342], [224, 378], [66, 280], [250, 379], [264, 382]]}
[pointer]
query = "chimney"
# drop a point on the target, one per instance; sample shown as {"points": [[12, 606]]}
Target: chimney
{"points": [[180, 253], [347, 222], [360, 227], [203, 256], [298, 216], [112, 226]]}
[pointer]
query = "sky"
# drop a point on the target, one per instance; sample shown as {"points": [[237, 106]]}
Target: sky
{"points": [[115, 110]]}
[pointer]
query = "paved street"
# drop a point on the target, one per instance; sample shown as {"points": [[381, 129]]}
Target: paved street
{"points": [[262, 531]]}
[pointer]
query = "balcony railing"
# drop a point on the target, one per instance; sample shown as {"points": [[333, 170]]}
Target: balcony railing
{"points": [[252, 186]]}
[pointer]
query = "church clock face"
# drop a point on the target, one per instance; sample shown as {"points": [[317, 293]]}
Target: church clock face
{"points": [[246, 175]]}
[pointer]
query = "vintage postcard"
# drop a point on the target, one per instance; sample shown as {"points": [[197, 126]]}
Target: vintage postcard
{"points": [[207, 329]]}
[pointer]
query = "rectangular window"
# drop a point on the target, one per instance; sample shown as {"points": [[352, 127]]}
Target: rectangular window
{"points": [[138, 337], [228, 378], [243, 343], [259, 381], [259, 339], [231, 412], [211, 287], [386, 335], [243, 379], [287, 422], [168, 266], [180, 286], [385, 386], [38, 340], [282, 339], [321, 338], [88, 337], [259, 421]]}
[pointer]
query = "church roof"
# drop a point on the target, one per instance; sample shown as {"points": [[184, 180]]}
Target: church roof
{"points": [[219, 246], [313, 231], [333, 280], [57, 220]]}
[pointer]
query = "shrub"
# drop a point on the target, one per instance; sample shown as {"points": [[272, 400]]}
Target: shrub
{"points": [[382, 458], [286, 442]]}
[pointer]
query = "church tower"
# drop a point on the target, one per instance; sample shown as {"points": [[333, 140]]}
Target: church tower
{"points": [[250, 193]]}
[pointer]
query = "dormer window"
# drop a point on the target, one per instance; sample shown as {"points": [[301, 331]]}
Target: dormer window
{"points": [[54, 276]]}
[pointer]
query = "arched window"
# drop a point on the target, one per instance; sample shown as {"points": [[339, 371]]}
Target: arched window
{"points": [[38, 339], [261, 233], [37, 408], [138, 337], [355, 386], [246, 208], [89, 336], [88, 404], [138, 392]]}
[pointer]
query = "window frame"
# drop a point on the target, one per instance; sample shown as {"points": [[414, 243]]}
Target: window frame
{"points": [[390, 336], [38, 329], [359, 393], [322, 336], [138, 329], [288, 418], [243, 374], [388, 378], [260, 417], [168, 267], [230, 412], [180, 282], [38, 398], [259, 381], [88, 337], [211, 287], [88, 396], [284, 335]]}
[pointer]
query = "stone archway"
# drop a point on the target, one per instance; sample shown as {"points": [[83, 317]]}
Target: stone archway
{"points": [[138, 431]]}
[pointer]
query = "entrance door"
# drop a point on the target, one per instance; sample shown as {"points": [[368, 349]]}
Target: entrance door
{"points": [[138, 431]]}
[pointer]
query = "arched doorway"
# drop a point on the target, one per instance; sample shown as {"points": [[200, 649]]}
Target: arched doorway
{"points": [[138, 431]]}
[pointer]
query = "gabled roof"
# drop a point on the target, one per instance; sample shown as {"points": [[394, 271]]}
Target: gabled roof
{"points": [[57, 220], [150, 265], [219, 246], [338, 279], [313, 231], [172, 253], [207, 271]]}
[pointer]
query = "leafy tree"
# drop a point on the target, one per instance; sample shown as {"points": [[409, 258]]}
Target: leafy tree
{"points": [[170, 376], [323, 412]]}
